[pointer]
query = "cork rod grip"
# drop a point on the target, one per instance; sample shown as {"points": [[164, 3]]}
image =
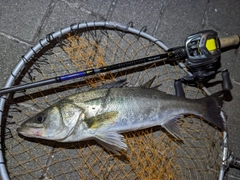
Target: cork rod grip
{"points": [[229, 41]]}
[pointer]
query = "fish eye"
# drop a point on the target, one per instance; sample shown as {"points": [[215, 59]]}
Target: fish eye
{"points": [[40, 118]]}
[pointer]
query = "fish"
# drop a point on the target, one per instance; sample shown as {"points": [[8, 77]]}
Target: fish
{"points": [[104, 114]]}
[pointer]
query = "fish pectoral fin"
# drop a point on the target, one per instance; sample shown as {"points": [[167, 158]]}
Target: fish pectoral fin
{"points": [[101, 119], [173, 128], [111, 141]]}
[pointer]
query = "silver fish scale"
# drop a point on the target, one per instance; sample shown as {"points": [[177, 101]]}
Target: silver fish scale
{"points": [[138, 108]]}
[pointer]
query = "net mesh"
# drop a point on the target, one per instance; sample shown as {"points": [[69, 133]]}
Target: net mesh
{"points": [[151, 154]]}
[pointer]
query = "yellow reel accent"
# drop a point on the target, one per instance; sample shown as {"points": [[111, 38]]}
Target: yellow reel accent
{"points": [[211, 44]]}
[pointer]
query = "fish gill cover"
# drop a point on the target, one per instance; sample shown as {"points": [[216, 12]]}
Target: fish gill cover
{"points": [[151, 154]]}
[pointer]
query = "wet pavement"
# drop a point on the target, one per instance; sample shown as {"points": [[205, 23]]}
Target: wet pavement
{"points": [[24, 22]]}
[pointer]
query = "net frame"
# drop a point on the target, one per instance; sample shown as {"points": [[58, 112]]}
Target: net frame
{"points": [[54, 36]]}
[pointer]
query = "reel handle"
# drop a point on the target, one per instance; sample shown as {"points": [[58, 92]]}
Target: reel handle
{"points": [[229, 41], [178, 88], [226, 84]]}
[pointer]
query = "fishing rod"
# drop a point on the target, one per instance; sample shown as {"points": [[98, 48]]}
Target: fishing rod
{"points": [[79, 74], [201, 53]]}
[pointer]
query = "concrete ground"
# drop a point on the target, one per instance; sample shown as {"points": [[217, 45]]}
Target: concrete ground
{"points": [[24, 22]]}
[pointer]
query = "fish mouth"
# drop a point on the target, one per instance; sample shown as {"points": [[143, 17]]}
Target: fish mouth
{"points": [[30, 132]]}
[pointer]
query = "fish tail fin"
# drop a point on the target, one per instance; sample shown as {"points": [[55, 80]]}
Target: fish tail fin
{"points": [[212, 113]]}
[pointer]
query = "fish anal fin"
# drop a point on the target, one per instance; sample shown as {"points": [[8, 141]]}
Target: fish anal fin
{"points": [[101, 119], [111, 141], [173, 128]]}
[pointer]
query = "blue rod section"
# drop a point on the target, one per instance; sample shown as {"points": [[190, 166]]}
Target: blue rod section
{"points": [[72, 76]]}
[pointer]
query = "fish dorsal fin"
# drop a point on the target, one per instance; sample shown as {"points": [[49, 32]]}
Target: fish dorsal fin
{"points": [[111, 141], [101, 119], [116, 84], [148, 83], [172, 127], [156, 87]]}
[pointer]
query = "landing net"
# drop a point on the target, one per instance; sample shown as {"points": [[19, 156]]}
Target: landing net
{"points": [[152, 153]]}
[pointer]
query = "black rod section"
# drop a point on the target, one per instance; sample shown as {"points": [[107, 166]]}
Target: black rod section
{"points": [[27, 86]]}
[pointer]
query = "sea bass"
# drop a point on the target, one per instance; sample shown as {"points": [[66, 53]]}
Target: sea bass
{"points": [[102, 114]]}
